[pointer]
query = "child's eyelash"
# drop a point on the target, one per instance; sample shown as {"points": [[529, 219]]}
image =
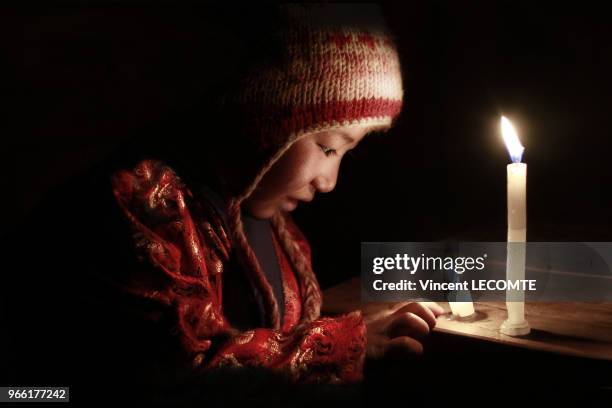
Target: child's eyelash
{"points": [[327, 151]]}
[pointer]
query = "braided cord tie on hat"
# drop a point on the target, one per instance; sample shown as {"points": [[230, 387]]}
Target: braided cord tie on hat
{"points": [[311, 308]]}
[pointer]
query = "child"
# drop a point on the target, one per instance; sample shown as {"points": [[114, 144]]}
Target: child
{"points": [[231, 267], [222, 276]]}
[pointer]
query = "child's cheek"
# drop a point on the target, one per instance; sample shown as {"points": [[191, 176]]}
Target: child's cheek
{"points": [[295, 175], [305, 174], [297, 182]]}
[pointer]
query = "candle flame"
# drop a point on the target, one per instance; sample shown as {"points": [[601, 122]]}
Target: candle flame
{"points": [[513, 144]]}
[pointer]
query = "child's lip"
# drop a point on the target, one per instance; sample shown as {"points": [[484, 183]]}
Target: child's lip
{"points": [[301, 199]]}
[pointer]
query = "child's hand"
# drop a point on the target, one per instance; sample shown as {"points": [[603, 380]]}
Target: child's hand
{"points": [[397, 333]]}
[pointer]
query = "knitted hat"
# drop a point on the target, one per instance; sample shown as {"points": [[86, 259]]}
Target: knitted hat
{"points": [[326, 66]]}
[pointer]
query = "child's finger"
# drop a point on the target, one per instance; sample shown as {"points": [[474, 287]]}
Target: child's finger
{"points": [[420, 310], [408, 324], [434, 307], [402, 347], [390, 309]]}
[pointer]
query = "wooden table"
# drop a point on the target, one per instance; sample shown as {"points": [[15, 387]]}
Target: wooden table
{"points": [[568, 353], [571, 328], [567, 356]]}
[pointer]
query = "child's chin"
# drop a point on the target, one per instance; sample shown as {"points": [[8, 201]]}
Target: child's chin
{"points": [[288, 204]]}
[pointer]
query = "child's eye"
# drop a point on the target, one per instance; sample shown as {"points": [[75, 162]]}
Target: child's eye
{"points": [[328, 151]]}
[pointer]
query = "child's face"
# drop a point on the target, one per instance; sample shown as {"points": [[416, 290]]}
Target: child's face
{"points": [[311, 164]]}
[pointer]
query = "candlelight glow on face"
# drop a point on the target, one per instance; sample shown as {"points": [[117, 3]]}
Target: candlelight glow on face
{"points": [[513, 144]]}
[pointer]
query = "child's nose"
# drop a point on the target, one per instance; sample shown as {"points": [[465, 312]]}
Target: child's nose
{"points": [[326, 180]]}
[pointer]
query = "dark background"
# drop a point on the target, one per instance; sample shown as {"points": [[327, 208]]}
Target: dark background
{"points": [[88, 76]]}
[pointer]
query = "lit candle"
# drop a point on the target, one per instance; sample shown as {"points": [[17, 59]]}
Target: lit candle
{"points": [[462, 309], [460, 301], [515, 325]]}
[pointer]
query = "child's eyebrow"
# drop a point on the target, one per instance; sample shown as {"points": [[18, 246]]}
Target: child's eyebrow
{"points": [[349, 139], [346, 137]]}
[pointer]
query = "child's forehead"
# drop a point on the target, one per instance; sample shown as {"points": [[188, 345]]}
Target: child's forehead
{"points": [[352, 129], [349, 131]]}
